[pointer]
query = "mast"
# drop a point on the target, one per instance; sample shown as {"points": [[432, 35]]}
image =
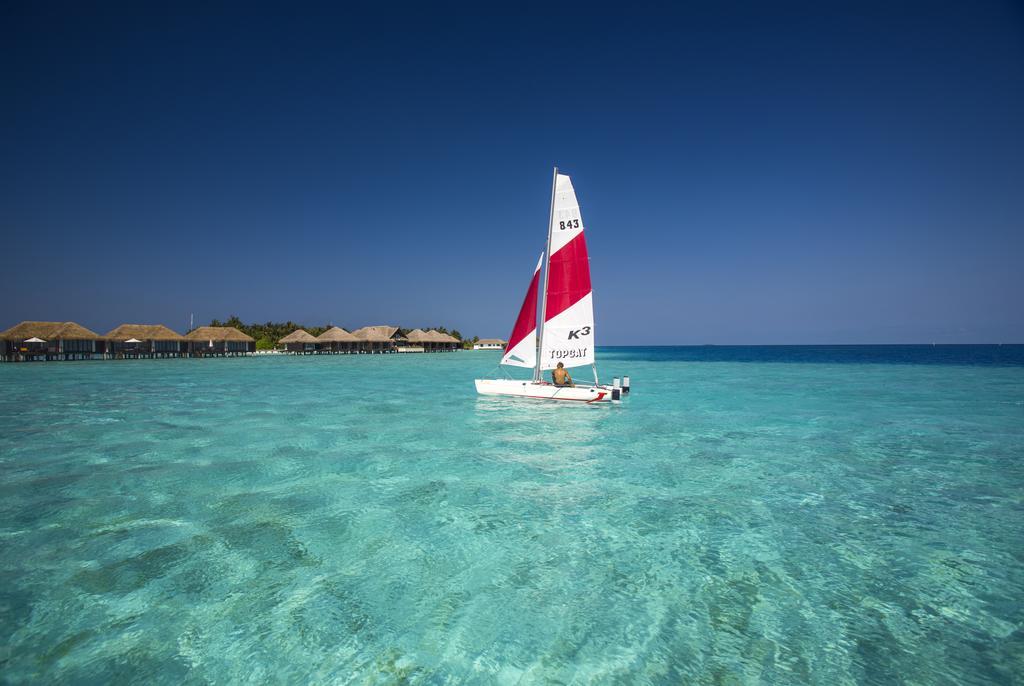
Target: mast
{"points": [[547, 262]]}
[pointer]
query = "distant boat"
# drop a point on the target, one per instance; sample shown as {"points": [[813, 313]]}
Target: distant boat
{"points": [[566, 331]]}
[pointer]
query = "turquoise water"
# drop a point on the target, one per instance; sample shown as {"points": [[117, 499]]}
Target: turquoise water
{"points": [[748, 516]]}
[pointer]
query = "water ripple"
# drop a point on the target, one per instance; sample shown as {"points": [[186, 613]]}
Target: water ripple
{"points": [[275, 521]]}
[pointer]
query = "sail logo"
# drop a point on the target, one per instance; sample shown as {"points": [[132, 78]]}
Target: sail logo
{"points": [[568, 353], [585, 331]]}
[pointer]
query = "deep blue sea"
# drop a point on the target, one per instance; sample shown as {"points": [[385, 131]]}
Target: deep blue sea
{"points": [[779, 515]]}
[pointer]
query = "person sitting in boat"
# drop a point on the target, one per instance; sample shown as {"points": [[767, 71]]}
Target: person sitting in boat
{"points": [[560, 375]]}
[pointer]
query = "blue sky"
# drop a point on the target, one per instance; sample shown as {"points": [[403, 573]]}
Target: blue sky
{"points": [[748, 172]]}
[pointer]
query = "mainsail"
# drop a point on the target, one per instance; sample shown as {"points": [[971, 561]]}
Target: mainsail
{"points": [[568, 333], [521, 350]]}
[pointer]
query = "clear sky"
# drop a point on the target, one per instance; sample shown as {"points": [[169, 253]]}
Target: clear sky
{"points": [[748, 172]]}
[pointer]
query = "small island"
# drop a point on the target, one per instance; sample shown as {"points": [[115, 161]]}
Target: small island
{"points": [[37, 341]]}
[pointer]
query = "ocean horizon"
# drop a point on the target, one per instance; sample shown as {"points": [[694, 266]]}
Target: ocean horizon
{"points": [[821, 514], [1009, 354]]}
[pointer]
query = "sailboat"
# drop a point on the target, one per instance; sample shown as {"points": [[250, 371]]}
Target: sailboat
{"points": [[566, 331]]}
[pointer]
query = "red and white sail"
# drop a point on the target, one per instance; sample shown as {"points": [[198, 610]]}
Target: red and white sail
{"points": [[521, 350], [568, 335]]}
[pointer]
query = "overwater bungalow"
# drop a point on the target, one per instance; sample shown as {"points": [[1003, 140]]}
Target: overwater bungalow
{"points": [[443, 341], [51, 341], [145, 340], [219, 341], [380, 339], [431, 341], [418, 338], [299, 342], [453, 342], [489, 344], [336, 340]]}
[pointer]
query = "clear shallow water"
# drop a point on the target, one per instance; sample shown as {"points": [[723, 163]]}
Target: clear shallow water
{"points": [[747, 516]]}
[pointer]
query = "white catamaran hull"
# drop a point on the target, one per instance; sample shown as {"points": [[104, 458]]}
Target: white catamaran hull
{"points": [[543, 391]]}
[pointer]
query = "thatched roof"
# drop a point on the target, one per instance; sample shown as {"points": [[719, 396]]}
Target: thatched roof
{"points": [[491, 341], [430, 336], [218, 333], [417, 336], [143, 332], [298, 336], [336, 334], [434, 336], [377, 334], [438, 337], [49, 331]]}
